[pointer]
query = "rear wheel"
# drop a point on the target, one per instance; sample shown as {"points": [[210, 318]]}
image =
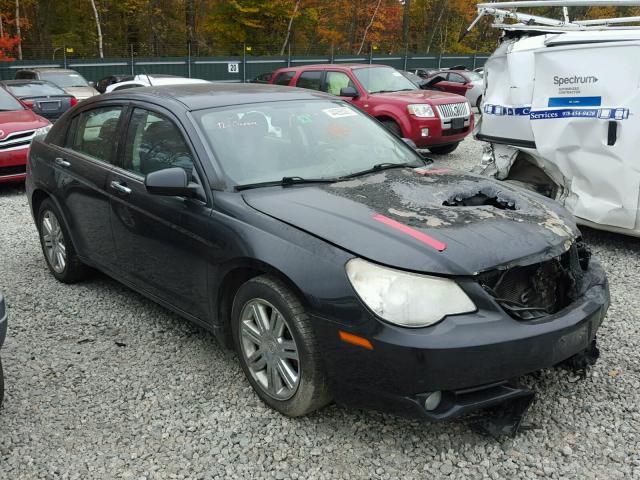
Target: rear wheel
{"points": [[277, 348], [58, 250], [392, 126], [444, 149]]}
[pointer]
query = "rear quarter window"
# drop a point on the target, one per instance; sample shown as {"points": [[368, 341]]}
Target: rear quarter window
{"points": [[284, 78]]}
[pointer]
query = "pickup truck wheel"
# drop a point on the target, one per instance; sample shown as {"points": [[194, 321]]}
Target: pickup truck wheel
{"points": [[58, 250], [392, 126], [277, 348], [444, 149]]}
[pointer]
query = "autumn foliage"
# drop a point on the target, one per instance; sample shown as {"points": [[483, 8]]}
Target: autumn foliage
{"points": [[219, 27]]}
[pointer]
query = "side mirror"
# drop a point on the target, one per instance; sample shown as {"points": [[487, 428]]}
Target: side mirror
{"points": [[350, 92], [410, 142], [172, 182]]}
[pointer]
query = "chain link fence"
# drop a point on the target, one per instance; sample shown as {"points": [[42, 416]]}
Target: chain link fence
{"points": [[241, 63]]}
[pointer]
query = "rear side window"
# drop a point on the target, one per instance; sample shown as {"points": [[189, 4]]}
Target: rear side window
{"points": [[336, 81], [155, 143], [94, 132], [456, 77], [24, 75], [312, 80], [284, 78]]}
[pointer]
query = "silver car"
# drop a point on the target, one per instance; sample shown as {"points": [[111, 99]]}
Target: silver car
{"points": [[69, 80]]}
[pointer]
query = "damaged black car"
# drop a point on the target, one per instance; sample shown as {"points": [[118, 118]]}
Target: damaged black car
{"points": [[335, 260]]}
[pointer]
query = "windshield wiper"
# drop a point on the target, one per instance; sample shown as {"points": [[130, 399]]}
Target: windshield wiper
{"points": [[379, 167], [285, 181]]}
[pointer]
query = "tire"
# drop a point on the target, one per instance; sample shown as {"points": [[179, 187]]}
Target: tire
{"points": [[53, 234], [444, 149], [307, 387], [393, 127]]}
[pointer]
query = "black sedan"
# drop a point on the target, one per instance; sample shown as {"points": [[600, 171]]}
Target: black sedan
{"points": [[325, 250], [43, 97]]}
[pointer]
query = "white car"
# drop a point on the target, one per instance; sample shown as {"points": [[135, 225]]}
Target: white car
{"points": [[149, 80]]}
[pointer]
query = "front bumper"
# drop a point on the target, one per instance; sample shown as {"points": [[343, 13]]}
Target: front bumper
{"points": [[13, 165], [470, 358], [437, 134]]}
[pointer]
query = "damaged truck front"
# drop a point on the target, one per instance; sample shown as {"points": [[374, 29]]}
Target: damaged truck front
{"points": [[559, 115]]}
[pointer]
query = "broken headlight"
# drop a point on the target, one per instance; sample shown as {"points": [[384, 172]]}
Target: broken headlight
{"points": [[404, 298], [421, 110]]}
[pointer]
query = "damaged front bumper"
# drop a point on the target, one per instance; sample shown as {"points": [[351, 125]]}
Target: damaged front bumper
{"points": [[469, 359]]}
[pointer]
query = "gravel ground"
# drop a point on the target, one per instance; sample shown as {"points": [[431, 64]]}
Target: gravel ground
{"points": [[102, 383]]}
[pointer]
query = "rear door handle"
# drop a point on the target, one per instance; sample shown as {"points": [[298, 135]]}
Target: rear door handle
{"points": [[120, 187], [62, 162]]}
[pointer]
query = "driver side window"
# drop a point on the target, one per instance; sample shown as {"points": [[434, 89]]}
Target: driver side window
{"points": [[155, 143]]}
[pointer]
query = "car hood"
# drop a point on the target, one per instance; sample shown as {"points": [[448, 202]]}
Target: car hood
{"points": [[422, 96], [398, 218], [81, 92], [20, 120]]}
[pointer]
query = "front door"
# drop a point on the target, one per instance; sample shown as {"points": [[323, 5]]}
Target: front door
{"points": [[83, 166], [160, 241]]}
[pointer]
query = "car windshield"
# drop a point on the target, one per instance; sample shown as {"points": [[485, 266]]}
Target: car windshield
{"points": [[65, 79], [34, 89], [8, 102], [315, 139], [382, 79]]}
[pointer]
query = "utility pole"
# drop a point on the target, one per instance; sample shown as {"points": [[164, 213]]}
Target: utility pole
{"points": [[18, 30], [406, 18]]}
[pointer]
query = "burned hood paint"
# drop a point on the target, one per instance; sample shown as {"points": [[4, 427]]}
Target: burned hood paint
{"points": [[519, 228]]}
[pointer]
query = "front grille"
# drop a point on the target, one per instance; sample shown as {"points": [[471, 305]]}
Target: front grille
{"points": [[15, 170], [535, 291], [453, 110], [17, 140]]}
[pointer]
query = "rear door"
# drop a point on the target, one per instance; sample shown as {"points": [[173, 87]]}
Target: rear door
{"points": [[160, 240], [455, 83], [83, 166]]}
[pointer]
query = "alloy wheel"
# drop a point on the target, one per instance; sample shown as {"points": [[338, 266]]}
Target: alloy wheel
{"points": [[269, 349], [53, 240]]}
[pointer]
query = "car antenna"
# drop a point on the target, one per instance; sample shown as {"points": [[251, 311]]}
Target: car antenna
{"points": [[148, 78]]}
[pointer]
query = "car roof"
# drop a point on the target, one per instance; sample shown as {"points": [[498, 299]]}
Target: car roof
{"points": [[335, 66], [27, 81], [210, 95], [48, 69]]}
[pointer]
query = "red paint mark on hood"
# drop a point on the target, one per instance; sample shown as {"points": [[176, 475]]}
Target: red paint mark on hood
{"points": [[430, 172], [423, 237]]}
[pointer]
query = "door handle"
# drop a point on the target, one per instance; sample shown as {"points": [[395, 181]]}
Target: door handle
{"points": [[62, 162], [120, 188]]}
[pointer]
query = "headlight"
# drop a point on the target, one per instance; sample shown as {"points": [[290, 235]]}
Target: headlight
{"points": [[406, 299], [42, 131], [421, 110]]}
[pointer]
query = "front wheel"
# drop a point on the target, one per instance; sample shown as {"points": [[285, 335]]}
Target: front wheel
{"points": [[444, 149], [277, 348], [393, 127], [58, 250]]}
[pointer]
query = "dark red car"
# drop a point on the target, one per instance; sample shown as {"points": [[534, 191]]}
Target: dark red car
{"points": [[18, 126], [434, 120]]}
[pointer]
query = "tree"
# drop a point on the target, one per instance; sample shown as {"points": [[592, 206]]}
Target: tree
{"points": [[98, 29]]}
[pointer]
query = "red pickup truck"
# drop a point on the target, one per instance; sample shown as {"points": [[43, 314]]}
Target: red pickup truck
{"points": [[434, 120]]}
